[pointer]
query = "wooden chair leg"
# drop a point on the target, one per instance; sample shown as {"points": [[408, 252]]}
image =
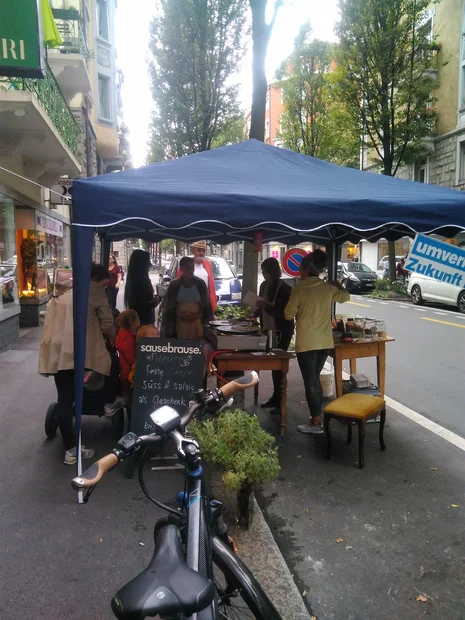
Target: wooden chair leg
{"points": [[361, 443], [327, 421], [349, 432], [381, 429]]}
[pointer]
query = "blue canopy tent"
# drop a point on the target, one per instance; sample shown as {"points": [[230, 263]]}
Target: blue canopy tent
{"points": [[230, 193]]}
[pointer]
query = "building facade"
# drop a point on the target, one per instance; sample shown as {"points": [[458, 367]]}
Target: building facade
{"points": [[53, 130], [444, 160]]}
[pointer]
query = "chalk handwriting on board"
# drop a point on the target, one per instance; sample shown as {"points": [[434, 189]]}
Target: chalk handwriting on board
{"points": [[168, 372]]}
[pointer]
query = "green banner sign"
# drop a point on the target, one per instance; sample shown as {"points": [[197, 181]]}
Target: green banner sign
{"points": [[21, 48]]}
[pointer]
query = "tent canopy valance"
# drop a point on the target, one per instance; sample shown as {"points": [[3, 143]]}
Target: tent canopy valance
{"points": [[229, 193]]}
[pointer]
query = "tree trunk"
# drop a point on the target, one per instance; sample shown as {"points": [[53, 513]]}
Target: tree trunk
{"points": [[260, 38], [244, 505], [250, 272], [392, 260]]}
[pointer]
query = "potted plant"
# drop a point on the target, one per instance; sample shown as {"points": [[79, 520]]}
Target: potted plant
{"points": [[245, 454]]}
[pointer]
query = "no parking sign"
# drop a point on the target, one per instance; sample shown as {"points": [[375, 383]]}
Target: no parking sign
{"points": [[292, 260]]}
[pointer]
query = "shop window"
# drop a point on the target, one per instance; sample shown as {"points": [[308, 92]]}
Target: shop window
{"points": [[102, 20], [104, 97], [8, 260]]}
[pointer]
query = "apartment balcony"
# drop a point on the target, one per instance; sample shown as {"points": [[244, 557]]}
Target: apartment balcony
{"points": [[432, 63], [37, 127], [70, 61]]}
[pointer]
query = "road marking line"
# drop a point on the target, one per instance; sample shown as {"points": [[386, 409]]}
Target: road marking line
{"points": [[421, 310], [424, 318], [438, 430], [384, 303], [404, 306], [449, 436], [354, 303], [441, 313]]}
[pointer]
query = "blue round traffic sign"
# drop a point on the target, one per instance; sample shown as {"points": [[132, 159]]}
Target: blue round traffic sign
{"points": [[292, 260]]}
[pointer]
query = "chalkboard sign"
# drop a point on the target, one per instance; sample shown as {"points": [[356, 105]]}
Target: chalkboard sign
{"points": [[168, 372]]}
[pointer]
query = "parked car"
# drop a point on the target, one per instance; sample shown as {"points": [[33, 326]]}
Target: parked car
{"points": [[356, 276], [380, 270], [422, 288], [228, 287]]}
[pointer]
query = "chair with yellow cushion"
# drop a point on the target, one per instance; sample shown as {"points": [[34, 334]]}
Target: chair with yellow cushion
{"points": [[356, 408]]}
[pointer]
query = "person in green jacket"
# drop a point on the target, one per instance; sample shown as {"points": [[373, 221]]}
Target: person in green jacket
{"points": [[310, 303]]}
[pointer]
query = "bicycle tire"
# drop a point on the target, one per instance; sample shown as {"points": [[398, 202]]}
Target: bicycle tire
{"points": [[239, 577]]}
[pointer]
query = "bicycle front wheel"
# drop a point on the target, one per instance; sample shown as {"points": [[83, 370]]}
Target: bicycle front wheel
{"points": [[240, 596]]}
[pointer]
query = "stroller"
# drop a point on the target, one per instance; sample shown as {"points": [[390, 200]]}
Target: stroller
{"points": [[94, 400]]}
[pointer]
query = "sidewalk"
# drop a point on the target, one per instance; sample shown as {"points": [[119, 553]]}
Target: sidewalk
{"points": [[64, 561], [400, 533]]}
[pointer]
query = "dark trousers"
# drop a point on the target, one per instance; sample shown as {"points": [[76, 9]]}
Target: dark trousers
{"points": [[112, 294], [311, 364], [64, 381]]}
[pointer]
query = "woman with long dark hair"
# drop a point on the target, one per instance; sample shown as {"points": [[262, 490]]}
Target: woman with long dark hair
{"points": [[138, 292], [274, 295]]}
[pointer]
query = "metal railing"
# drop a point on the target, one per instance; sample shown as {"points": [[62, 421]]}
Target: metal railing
{"points": [[51, 98], [74, 39]]}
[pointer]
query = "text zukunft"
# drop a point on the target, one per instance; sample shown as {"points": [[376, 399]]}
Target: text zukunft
{"points": [[438, 260]]}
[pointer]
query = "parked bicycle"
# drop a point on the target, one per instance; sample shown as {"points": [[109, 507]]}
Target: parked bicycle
{"points": [[194, 572]]}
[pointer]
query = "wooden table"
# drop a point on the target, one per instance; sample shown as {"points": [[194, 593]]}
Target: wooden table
{"points": [[277, 360], [354, 350]]}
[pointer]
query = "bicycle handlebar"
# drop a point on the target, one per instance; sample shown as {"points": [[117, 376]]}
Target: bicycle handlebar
{"points": [[94, 474], [243, 383]]}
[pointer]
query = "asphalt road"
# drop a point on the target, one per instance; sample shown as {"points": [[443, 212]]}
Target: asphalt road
{"points": [[425, 366]]}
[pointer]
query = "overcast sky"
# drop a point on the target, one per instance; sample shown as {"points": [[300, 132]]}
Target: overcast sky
{"points": [[132, 34]]}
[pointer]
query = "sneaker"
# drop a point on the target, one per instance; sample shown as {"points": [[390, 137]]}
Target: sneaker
{"points": [[111, 408], [71, 455], [310, 430]]}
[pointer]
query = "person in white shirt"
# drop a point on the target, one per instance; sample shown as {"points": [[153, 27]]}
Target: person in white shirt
{"points": [[203, 269]]}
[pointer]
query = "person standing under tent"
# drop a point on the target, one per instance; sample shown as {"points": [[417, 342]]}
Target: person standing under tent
{"points": [[273, 298], [186, 305], [310, 303], [204, 270], [56, 355], [138, 292]]}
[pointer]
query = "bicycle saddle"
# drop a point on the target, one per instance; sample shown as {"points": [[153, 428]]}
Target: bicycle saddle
{"points": [[166, 586]]}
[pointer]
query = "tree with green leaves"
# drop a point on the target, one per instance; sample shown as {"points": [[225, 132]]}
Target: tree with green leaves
{"points": [[234, 131], [195, 52], [385, 74], [314, 121]]}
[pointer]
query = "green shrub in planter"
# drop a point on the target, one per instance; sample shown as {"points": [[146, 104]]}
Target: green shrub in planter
{"points": [[245, 453]]}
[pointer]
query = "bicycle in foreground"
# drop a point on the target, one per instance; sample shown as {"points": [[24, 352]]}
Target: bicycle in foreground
{"points": [[194, 572]]}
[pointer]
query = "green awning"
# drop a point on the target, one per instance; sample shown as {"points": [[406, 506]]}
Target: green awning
{"points": [[51, 35]]}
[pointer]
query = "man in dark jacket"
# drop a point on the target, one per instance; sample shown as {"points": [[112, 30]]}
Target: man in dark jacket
{"points": [[274, 296]]}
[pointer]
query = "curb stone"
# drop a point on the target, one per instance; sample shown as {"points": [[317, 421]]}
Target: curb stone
{"points": [[258, 549]]}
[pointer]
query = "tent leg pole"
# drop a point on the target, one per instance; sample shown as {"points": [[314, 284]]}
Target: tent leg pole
{"points": [[79, 466], [250, 279]]}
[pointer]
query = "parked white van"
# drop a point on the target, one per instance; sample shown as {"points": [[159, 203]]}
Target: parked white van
{"points": [[421, 289]]}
